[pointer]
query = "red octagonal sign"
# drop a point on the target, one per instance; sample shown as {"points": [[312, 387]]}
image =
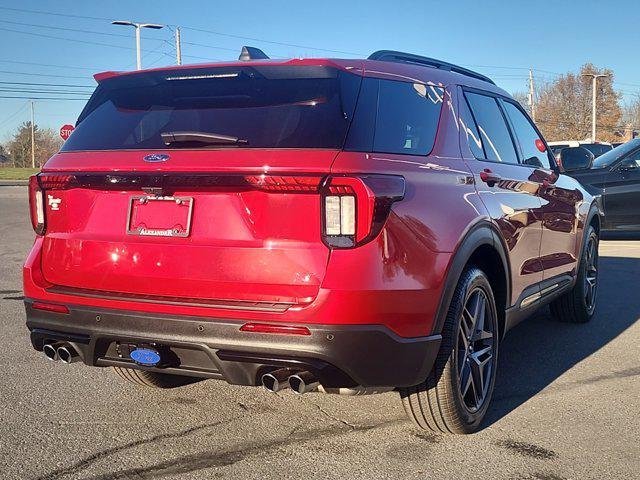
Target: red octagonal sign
{"points": [[65, 131]]}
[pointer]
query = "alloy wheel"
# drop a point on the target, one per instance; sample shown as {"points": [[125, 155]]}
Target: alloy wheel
{"points": [[591, 274], [475, 350]]}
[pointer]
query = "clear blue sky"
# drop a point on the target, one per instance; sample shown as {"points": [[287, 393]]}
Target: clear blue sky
{"points": [[499, 38]]}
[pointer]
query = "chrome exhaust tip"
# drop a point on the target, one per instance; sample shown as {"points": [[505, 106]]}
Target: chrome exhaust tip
{"points": [[276, 380], [67, 354], [303, 382], [50, 352]]}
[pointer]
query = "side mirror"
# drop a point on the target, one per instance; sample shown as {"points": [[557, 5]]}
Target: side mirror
{"points": [[576, 158], [628, 166]]}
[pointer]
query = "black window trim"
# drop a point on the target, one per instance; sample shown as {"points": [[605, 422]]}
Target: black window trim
{"points": [[550, 156], [498, 97]]}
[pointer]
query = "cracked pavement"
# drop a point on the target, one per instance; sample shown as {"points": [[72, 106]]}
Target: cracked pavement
{"points": [[565, 407]]}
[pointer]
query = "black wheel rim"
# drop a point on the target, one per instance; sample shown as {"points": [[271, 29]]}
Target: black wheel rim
{"points": [[591, 274], [475, 350]]}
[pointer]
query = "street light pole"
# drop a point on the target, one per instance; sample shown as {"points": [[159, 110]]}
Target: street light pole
{"points": [[33, 139], [138, 26], [593, 106], [178, 47]]}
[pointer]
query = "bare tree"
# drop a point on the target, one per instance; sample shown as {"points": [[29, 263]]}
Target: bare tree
{"points": [[19, 147], [564, 106]]}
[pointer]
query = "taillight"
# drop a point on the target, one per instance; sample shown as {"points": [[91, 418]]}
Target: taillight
{"points": [[36, 205], [354, 209], [284, 183], [38, 185]]}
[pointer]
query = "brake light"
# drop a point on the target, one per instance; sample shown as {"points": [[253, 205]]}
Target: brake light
{"points": [[268, 328], [38, 185], [36, 205], [277, 183], [355, 209]]}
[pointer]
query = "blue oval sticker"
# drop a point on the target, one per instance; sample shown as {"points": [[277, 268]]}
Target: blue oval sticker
{"points": [[156, 157], [145, 356]]}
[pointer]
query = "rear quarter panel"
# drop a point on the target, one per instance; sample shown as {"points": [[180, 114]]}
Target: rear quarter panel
{"points": [[406, 265]]}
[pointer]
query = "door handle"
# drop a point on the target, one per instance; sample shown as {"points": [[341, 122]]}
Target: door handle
{"points": [[489, 177]]}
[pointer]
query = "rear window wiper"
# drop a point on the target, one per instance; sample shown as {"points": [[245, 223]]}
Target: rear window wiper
{"points": [[205, 138]]}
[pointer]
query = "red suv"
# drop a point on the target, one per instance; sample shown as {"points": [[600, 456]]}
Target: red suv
{"points": [[348, 226]]}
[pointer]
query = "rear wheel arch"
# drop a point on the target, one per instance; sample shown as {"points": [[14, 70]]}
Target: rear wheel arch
{"points": [[594, 218], [482, 247]]}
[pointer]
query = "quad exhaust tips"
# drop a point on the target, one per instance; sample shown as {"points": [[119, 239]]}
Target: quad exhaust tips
{"points": [[276, 380], [66, 354], [300, 382], [303, 382], [51, 352]]}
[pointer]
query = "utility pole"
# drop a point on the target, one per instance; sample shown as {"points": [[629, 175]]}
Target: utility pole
{"points": [[33, 139], [595, 77], [532, 96], [178, 47], [138, 26]]}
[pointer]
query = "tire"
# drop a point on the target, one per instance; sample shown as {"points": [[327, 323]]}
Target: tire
{"points": [[578, 304], [154, 379], [438, 404]]}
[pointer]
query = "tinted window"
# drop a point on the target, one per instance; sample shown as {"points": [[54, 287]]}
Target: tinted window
{"points": [[468, 125], [527, 138], [612, 156], [395, 117], [494, 133], [407, 118], [268, 106], [597, 149]]}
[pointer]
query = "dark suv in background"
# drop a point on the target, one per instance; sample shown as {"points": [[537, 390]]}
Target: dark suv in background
{"points": [[348, 226], [615, 178]]}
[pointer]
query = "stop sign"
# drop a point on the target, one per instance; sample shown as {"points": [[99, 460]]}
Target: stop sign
{"points": [[65, 131]]}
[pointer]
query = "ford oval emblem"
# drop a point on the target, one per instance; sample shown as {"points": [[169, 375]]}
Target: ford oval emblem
{"points": [[145, 356], [156, 157]]}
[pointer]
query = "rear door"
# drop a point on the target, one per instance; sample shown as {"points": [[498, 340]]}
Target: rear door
{"points": [[622, 193], [560, 196], [508, 188]]}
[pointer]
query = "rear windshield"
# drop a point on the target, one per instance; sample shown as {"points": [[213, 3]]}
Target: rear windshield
{"points": [[596, 148], [614, 155], [261, 106]]}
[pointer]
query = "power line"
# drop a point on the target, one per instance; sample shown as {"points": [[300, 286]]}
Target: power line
{"points": [[75, 30], [87, 42], [10, 117], [48, 84], [268, 41], [42, 74], [93, 69], [27, 90], [22, 10], [44, 98]]}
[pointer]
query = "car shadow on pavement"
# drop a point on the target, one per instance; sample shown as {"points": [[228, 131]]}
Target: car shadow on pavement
{"points": [[541, 349]]}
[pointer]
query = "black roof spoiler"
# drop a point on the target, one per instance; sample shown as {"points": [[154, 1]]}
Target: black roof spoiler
{"points": [[402, 57]]}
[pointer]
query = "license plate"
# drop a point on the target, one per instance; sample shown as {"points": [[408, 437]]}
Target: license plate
{"points": [[151, 216]]}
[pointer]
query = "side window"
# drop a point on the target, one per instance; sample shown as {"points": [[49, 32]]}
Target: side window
{"points": [[493, 130], [407, 117], [632, 162], [528, 138], [469, 127]]}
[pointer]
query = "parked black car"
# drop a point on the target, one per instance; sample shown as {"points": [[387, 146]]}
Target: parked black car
{"points": [[615, 176]]}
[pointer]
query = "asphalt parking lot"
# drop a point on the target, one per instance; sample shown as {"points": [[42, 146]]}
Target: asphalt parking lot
{"points": [[566, 406]]}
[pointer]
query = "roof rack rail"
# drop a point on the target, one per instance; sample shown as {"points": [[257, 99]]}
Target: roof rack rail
{"points": [[402, 57]]}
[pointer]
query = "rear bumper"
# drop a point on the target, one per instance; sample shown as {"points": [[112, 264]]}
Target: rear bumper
{"points": [[339, 355]]}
